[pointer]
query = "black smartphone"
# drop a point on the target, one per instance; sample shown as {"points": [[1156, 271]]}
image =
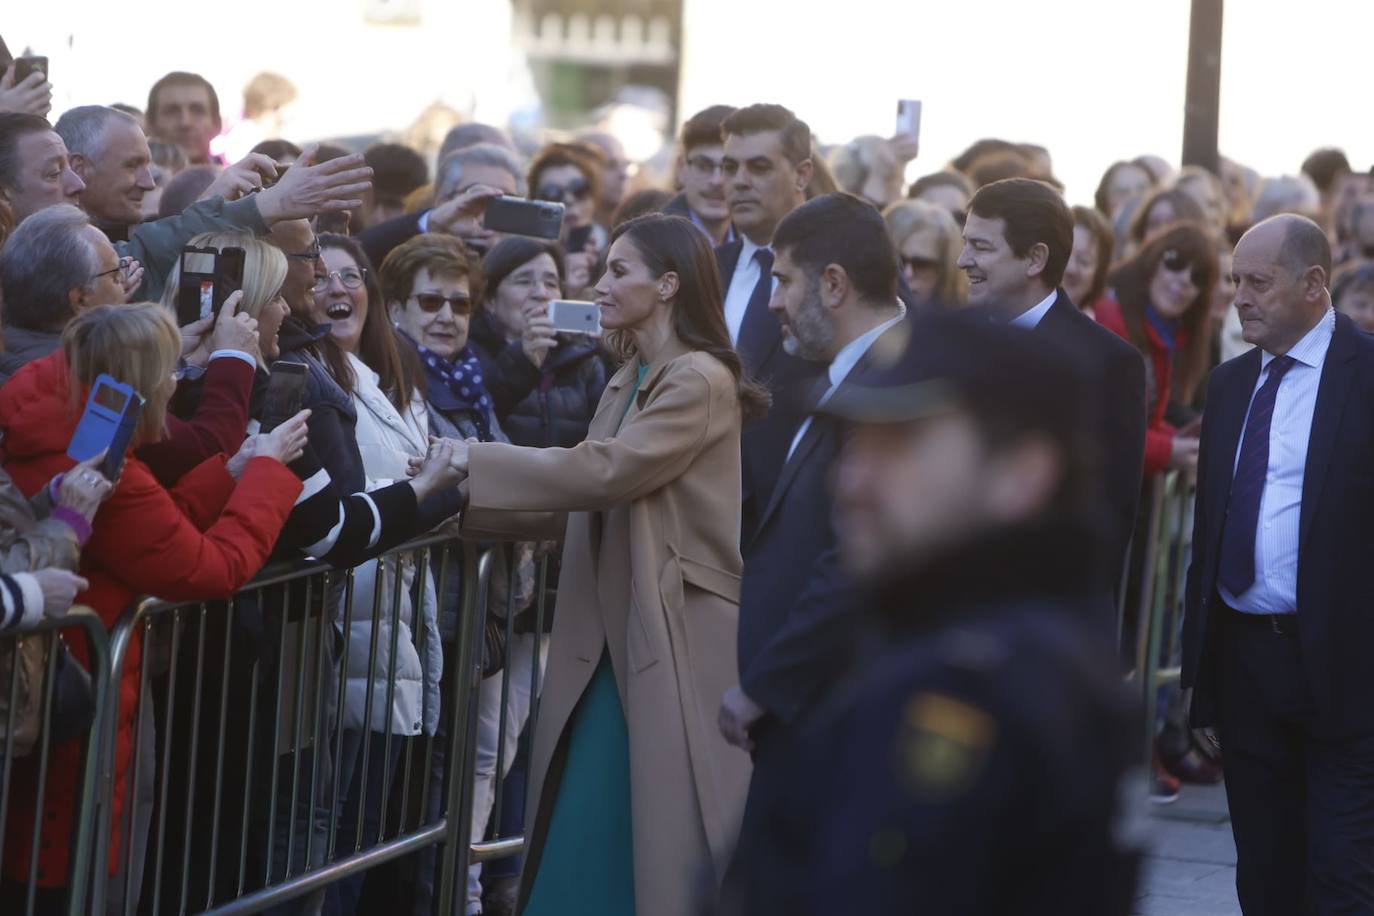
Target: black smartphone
{"points": [[207, 278], [23, 66], [516, 216], [284, 390]]}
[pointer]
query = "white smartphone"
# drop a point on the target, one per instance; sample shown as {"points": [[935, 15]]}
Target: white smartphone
{"points": [[575, 317], [909, 117]]}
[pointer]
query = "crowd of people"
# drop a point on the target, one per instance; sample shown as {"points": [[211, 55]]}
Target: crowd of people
{"points": [[838, 500]]}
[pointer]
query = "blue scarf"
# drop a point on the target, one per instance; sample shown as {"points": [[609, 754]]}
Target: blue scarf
{"points": [[1166, 328], [456, 385]]}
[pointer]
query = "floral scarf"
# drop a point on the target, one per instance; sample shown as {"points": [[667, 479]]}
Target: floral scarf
{"points": [[456, 385]]}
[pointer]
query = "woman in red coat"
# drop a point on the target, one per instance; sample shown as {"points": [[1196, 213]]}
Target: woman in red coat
{"points": [[1164, 291], [203, 539]]}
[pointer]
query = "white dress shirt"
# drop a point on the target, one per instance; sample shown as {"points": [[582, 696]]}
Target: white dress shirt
{"points": [[741, 288], [843, 364], [1030, 318], [1275, 589]]}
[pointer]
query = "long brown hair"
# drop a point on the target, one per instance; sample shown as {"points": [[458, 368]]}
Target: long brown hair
{"points": [[398, 367], [673, 244], [1130, 280]]}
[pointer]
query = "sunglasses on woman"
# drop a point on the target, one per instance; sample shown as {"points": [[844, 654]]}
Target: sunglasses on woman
{"points": [[577, 190], [1177, 262], [433, 302]]}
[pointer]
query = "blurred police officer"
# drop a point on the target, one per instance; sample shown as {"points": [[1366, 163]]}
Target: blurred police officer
{"points": [[974, 760]]}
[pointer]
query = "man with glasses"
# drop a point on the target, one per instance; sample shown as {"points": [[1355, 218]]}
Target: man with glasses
{"points": [[701, 176]]}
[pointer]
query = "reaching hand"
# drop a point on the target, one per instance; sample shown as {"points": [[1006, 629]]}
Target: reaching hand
{"points": [[235, 330], [1183, 455], [32, 96], [307, 189], [243, 177], [84, 488], [436, 471], [286, 443], [538, 336], [59, 588], [130, 276], [462, 215]]}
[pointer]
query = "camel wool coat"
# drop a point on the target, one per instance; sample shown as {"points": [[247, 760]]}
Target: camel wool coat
{"points": [[651, 571]]}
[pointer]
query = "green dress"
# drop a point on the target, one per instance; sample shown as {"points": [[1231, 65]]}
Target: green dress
{"points": [[587, 863]]}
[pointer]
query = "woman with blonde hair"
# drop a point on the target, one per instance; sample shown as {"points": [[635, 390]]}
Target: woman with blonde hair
{"points": [[928, 242], [203, 539]]}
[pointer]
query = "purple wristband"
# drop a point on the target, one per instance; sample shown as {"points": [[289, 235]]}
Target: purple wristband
{"points": [[76, 521]]}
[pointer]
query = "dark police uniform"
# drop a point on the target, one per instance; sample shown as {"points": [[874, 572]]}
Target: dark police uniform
{"points": [[980, 759], [981, 755]]}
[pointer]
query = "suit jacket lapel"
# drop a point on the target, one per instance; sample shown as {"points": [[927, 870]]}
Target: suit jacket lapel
{"points": [[727, 257], [759, 336], [1337, 373], [808, 444]]}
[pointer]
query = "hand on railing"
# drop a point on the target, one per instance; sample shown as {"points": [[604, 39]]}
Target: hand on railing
{"points": [[59, 588], [84, 488], [1183, 456], [286, 443]]}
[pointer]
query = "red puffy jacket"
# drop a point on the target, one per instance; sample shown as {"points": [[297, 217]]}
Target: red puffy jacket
{"points": [[203, 539]]}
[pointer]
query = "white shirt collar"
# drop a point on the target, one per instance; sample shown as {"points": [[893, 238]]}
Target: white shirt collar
{"points": [[1311, 350], [850, 354], [1030, 318], [746, 253]]}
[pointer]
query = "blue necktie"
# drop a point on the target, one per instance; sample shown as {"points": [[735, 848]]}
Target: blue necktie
{"points": [[1237, 568], [763, 289]]}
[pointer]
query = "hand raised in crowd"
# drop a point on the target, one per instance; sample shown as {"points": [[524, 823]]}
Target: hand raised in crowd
{"points": [[737, 715], [462, 214], [307, 189], [32, 96], [130, 275], [230, 330], [887, 175], [243, 177], [59, 588], [286, 443], [84, 488], [538, 336]]}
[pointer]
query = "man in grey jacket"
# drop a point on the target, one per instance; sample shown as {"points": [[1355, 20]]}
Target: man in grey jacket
{"points": [[109, 154]]}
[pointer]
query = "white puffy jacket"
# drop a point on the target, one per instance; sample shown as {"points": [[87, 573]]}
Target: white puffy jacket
{"points": [[387, 439]]}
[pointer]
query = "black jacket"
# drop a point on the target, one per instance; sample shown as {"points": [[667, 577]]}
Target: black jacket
{"points": [[23, 346], [1117, 415], [1336, 531], [546, 407], [972, 761]]}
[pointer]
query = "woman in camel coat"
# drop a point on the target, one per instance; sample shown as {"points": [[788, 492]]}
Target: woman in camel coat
{"points": [[635, 796]]}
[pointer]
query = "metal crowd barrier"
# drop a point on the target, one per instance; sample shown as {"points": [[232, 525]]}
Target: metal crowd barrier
{"points": [[233, 794], [35, 781], [1163, 576]]}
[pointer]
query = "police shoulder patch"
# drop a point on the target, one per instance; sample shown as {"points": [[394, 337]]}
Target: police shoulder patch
{"points": [[942, 745]]}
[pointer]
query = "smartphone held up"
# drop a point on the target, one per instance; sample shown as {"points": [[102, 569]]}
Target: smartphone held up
{"points": [[208, 276], [108, 424], [570, 316]]}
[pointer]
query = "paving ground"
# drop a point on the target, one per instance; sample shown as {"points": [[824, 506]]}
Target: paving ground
{"points": [[1191, 870]]}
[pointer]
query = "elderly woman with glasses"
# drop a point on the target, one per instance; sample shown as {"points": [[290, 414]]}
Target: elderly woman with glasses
{"points": [[570, 174]]}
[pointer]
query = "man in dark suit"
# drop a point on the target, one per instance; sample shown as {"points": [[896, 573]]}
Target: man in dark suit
{"points": [[836, 304], [1017, 241], [1278, 624], [767, 168], [701, 174]]}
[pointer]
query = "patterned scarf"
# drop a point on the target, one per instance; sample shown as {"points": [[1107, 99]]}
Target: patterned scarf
{"points": [[456, 385]]}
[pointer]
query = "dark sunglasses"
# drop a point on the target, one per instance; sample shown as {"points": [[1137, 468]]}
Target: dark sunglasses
{"points": [[921, 263], [1176, 262], [433, 302], [580, 189]]}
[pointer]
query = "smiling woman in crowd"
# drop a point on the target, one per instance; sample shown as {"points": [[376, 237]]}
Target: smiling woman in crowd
{"points": [[1165, 296]]}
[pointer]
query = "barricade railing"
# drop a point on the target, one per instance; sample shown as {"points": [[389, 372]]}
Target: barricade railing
{"points": [[249, 725], [39, 649], [1162, 581]]}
